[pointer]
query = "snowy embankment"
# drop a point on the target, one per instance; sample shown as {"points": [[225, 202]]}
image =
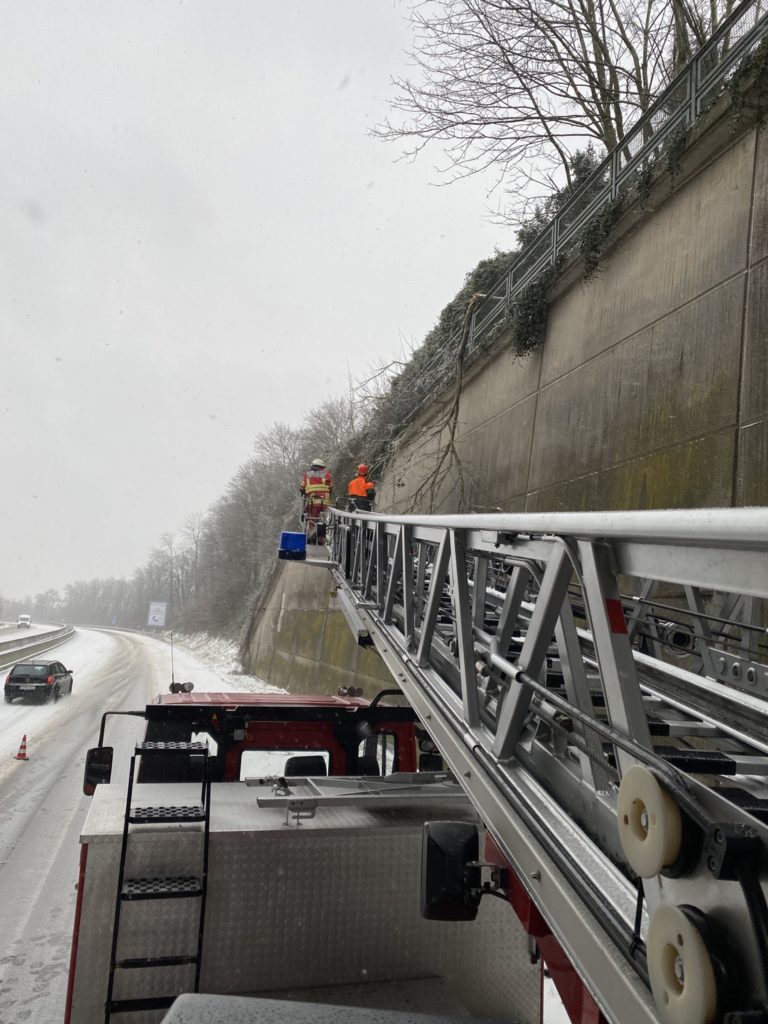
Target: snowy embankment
{"points": [[212, 663]]}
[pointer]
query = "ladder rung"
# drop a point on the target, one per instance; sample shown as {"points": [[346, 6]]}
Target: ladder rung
{"points": [[150, 815], [157, 747], [156, 961], [135, 1005], [699, 762], [598, 699], [713, 762], [682, 727], [754, 805], [161, 888], [750, 764]]}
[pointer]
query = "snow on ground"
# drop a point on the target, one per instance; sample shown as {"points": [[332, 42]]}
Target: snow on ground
{"points": [[11, 631], [42, 808], [213, 664], [85, 655], [104, 660]]}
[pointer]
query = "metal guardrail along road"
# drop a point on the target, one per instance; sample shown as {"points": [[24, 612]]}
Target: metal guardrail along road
{"points": [[15, 650], [597, 683]]}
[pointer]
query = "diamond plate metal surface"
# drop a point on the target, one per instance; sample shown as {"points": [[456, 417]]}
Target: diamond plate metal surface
{"points": [[417, 995], [334, 902]]}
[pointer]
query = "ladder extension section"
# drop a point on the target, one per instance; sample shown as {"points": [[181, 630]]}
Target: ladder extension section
{"points": [[147, 890], [597, 683]]}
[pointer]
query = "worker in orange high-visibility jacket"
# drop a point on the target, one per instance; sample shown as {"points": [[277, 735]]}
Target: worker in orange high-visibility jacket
{"points": [[361, 490]]}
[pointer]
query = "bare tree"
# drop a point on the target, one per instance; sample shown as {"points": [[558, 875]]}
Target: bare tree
{"points": [[280, 445], [520, 86], [193, 533], [329, 425]]}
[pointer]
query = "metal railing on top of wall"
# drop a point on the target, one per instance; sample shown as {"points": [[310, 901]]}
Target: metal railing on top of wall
{"points": [[675, 109]]}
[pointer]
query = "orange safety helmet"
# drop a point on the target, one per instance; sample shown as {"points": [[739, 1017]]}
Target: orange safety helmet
{"points": [[362, 469]]}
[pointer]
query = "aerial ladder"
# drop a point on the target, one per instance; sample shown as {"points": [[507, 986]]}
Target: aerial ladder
{"points": [[598, 684]]}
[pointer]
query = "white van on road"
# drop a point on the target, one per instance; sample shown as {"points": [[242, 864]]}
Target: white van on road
{"points": [[24, 620]]}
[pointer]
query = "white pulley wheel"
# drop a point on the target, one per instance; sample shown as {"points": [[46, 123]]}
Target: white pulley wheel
{"points": [[682, 977], [650, 827]]}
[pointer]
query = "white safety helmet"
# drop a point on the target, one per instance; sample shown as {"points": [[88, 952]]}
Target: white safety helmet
{"points": [[317, 464]]}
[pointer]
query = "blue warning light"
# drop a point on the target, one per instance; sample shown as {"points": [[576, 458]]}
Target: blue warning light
{"points": [[293, 546]]}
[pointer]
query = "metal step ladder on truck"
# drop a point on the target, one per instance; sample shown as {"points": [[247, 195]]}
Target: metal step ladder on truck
{"points": [[271, 843]]}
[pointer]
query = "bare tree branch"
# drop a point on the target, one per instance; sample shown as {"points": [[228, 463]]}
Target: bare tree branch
{"points": [[522, 85]]}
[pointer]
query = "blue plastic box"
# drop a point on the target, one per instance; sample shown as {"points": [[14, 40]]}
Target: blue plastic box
{"points": [[293, 546]]}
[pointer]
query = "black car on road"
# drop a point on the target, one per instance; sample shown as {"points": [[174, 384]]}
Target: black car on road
{"points": [[37, 681]]}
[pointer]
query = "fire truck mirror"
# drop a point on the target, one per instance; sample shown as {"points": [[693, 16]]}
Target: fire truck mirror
{"points": [[450, 873], [98, 768]]}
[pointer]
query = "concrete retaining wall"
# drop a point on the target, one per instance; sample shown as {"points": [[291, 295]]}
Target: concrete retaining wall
{"points": [[300, 640], [651, 389]]}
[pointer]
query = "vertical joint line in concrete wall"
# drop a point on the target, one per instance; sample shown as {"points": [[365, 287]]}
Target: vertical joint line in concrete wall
{"points": [[533, 426], [744, 310]]}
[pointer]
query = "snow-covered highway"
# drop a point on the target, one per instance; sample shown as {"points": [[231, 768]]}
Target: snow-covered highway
{"points": [[12, 631], [42, 807]]}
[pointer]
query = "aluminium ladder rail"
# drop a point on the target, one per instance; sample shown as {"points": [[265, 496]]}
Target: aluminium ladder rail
{"points": [[549, 654]]}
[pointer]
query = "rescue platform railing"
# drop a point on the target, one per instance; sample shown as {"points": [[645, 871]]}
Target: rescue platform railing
{"points": [[577, 672]]}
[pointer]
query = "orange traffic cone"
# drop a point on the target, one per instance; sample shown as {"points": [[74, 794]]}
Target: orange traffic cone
{"points": [[22, 754]]}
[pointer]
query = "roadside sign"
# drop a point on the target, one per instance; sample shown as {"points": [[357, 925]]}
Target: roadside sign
{"points": [[157, 613]]}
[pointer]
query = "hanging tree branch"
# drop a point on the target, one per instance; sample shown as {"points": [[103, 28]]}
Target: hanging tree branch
{"points": [[522, 85]]}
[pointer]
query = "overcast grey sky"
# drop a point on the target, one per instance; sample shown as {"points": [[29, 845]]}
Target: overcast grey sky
{"points": [[197, 237]]}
